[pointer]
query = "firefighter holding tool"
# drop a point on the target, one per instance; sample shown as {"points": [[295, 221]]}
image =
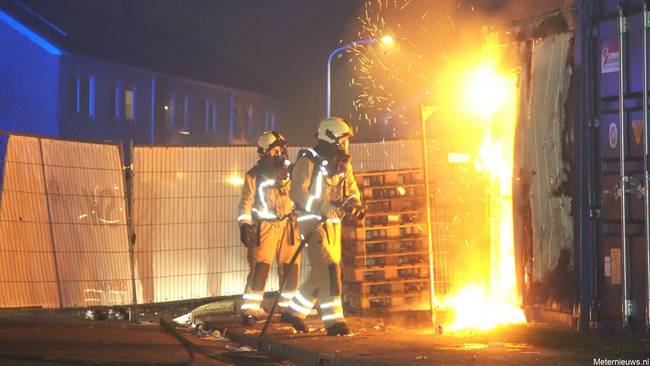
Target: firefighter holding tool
{"points": [[324, 190], [267, 225]]}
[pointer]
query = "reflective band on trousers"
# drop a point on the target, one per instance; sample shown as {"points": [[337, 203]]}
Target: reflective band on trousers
{"points": [[283, 304], [305, 302], [250, 307], [288, 295], [332, 316], [331, 304], [254, 297], [299, 308], [245, 217]]}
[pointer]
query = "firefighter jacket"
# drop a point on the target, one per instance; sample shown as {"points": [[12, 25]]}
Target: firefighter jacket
{"points": [[264, 198], [315, 192]]}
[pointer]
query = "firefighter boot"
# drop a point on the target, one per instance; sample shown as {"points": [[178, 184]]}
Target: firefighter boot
{"points": [[297, 323], [338, 329], [285, 318], [249, 320]]}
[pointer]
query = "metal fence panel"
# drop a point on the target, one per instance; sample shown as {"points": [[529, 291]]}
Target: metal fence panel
{"points": [[27, 270], [184, 218], [85, 186], [63, 229]]}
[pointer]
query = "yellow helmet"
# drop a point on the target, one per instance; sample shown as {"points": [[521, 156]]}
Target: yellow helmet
{"points": [[269, 140], [334, 128]]}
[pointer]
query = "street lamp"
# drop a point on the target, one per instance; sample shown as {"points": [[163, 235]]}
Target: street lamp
{"points": [[387, 40]]}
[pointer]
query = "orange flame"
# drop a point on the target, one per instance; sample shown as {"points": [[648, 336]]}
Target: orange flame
{"points": [[478, 306]]}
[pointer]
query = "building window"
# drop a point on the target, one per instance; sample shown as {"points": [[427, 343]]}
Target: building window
{"points": [[186, 114], [269, 120], [129, 104], [124, 102], [249, 122], [240, 117], [235, 123], [215, 118], [211, 116], [84, 96]]}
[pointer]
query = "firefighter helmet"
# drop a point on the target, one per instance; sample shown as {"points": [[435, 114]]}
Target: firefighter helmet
{"points": [[269, 140], [332, 129]]}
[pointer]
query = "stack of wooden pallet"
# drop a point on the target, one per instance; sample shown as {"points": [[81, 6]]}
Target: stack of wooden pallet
{"points": [[385, 261]]}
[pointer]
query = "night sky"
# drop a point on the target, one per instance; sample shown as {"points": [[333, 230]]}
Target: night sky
{"points": [[280, 46]]}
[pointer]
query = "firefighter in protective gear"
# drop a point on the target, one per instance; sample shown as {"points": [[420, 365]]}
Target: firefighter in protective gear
{"points": [[267, 225], [323, 189]]}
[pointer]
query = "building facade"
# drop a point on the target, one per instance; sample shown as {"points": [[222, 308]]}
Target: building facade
{"points": [[49, 90]]}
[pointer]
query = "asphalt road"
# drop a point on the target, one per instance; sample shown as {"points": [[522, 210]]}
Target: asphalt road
{"points": [[45, 337], [374, 342], [111, 343]]}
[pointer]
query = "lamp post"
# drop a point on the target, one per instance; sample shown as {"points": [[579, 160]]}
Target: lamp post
{"points": [[362, 42]]}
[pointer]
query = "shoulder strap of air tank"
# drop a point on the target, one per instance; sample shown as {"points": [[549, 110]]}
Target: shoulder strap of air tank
{"points": [[312, 155]]}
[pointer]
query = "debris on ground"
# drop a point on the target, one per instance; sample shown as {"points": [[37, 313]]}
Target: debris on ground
{"points": [[147, 322], [203, 331], [185, 319], [118, 314], [240, 348], [95, 314], [215, 336], [213, 308]]}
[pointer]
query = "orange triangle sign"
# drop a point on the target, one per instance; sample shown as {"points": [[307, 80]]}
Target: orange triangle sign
{"points": [[637, 126]]}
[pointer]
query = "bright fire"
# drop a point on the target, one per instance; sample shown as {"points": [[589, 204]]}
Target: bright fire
{"points": [[477, 305]]}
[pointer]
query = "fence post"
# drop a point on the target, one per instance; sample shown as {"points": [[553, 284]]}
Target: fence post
{"points": [[128, 198], [49, 220]]}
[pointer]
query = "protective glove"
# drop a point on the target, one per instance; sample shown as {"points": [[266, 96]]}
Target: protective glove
{"points": [[246, 233], [354, 211]]}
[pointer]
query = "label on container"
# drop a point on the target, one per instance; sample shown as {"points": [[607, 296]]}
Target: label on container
{"points": [[609, 57], [637, 127], [616, 266], [613, 135]]}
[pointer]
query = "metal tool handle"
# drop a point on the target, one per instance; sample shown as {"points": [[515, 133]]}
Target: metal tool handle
{"points": [[284, 280]]}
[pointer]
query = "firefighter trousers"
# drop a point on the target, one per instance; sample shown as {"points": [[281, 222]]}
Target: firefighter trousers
{"points": [[277, 240], [323, 284]]}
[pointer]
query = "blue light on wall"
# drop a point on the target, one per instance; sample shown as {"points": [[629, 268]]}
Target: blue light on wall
{"points": [[46, 45]]}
